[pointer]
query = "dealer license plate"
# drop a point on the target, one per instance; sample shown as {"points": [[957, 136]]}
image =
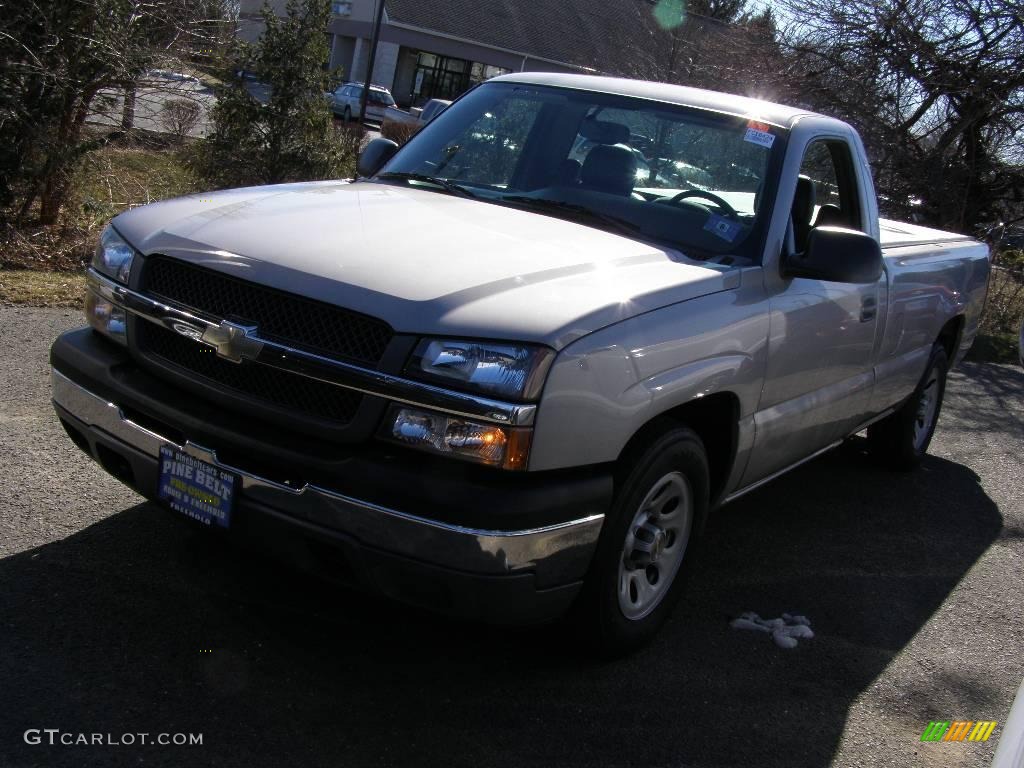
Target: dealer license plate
{"points": [[195, 488]]}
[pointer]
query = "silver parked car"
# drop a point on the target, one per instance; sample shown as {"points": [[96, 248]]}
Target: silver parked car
{"points": [[430, 110], [346, 101]]}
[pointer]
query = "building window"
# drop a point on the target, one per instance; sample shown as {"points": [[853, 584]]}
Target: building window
{"points": [[341, 7], [483, 72], [439, 77]]}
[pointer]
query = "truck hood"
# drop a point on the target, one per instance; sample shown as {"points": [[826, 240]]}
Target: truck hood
{"points": [[425, 262]]}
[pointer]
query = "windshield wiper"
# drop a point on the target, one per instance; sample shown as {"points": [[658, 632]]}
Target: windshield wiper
{"points": [[542, 204], [448, 186]]}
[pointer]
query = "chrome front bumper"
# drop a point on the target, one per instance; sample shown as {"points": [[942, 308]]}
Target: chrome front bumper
{"points": [[556, 554]]}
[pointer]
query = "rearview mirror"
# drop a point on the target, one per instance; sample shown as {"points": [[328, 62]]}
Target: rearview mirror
{"points": [[373, 158], [604, 132], [836, 255]]}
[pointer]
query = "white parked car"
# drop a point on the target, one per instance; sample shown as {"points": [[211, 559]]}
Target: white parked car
{"points": [[164, 78]]}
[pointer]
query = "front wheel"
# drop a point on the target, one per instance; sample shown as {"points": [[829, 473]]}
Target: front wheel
{"points": [[639, 568], [901, 440]]}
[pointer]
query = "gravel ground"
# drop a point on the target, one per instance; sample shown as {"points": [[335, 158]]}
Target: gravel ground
{"points": [[115, 618]]}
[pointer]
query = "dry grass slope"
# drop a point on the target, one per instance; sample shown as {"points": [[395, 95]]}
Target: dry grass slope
{"points": [[41, 289]]}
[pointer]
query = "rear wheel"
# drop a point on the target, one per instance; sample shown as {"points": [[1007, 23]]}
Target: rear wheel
{"points": [[639, 568], [901, 440]]}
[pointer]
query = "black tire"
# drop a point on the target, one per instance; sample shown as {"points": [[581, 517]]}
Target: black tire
{"points": [[346, 115], [901, 440], [598, 614]]}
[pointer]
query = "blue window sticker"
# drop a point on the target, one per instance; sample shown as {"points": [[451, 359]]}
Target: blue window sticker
{"points": [[727, 229]]}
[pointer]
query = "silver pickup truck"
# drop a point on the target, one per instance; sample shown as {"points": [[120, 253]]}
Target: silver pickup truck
{"points": [[511, 369]]}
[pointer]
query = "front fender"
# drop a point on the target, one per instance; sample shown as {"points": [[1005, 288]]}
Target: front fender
{"points": [[605, 387]]}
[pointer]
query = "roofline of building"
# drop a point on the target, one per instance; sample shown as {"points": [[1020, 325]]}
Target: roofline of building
{"points": [[525, 56]]}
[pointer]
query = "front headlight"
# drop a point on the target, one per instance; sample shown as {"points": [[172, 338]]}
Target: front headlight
{"points": [[113, 259], [113, 256], [107, 318], [507, 370], [446, 435]]}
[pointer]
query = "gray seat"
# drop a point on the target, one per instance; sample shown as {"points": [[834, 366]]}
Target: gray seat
{"points": [[568, 172], [610, 169]]}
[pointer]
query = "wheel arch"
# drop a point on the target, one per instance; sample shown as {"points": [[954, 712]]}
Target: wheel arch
{"points": [[715, 419], [950, 335]]}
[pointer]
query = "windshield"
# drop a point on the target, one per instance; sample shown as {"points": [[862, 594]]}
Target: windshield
{"points": [[693, 179]]}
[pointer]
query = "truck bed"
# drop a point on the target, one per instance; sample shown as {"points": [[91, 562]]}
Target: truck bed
{"points": [[898, 234]]}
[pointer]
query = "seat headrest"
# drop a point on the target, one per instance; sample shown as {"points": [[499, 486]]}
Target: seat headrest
{"points": [[568, 172], [803, 210], [609, 169], [830, 216]]}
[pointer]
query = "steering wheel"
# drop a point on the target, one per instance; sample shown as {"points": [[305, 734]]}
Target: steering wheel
{"points": [[727, 209]]}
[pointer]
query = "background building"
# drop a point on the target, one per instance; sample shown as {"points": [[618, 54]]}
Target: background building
{"points": [[440, 48]]}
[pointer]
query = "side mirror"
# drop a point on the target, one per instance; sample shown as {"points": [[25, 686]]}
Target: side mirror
{"points": [[373, 158], [836, 255]]}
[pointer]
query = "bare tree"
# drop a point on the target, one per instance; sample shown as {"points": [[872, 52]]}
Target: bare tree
{"points": [[715, 44], [936, 88], [57, 57]]}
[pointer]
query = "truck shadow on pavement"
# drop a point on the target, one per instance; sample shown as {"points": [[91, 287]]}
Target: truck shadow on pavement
{"points": [[142, 624], [1000, 388]]}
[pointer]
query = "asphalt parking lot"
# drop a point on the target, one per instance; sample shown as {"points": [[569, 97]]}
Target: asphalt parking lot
{"points": [[116, 618]]}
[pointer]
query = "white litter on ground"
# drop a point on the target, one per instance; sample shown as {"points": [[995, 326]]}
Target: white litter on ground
{"points": [[784, 631]]}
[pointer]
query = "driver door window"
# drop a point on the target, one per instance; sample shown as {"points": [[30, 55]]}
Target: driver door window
{"points": [[826, 193]]}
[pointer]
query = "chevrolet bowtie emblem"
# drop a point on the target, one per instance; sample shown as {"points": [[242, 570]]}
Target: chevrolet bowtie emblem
{"points": [[233, 342]]}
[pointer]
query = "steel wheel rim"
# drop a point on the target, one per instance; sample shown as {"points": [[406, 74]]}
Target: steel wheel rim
{"points": [[927, 405], [655, 546]]}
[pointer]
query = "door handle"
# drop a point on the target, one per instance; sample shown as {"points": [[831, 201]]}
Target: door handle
{"points": [[868, 308]]}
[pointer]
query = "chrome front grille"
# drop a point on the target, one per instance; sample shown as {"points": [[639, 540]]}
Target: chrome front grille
{"points": [[274, 387], [282, 317]]}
